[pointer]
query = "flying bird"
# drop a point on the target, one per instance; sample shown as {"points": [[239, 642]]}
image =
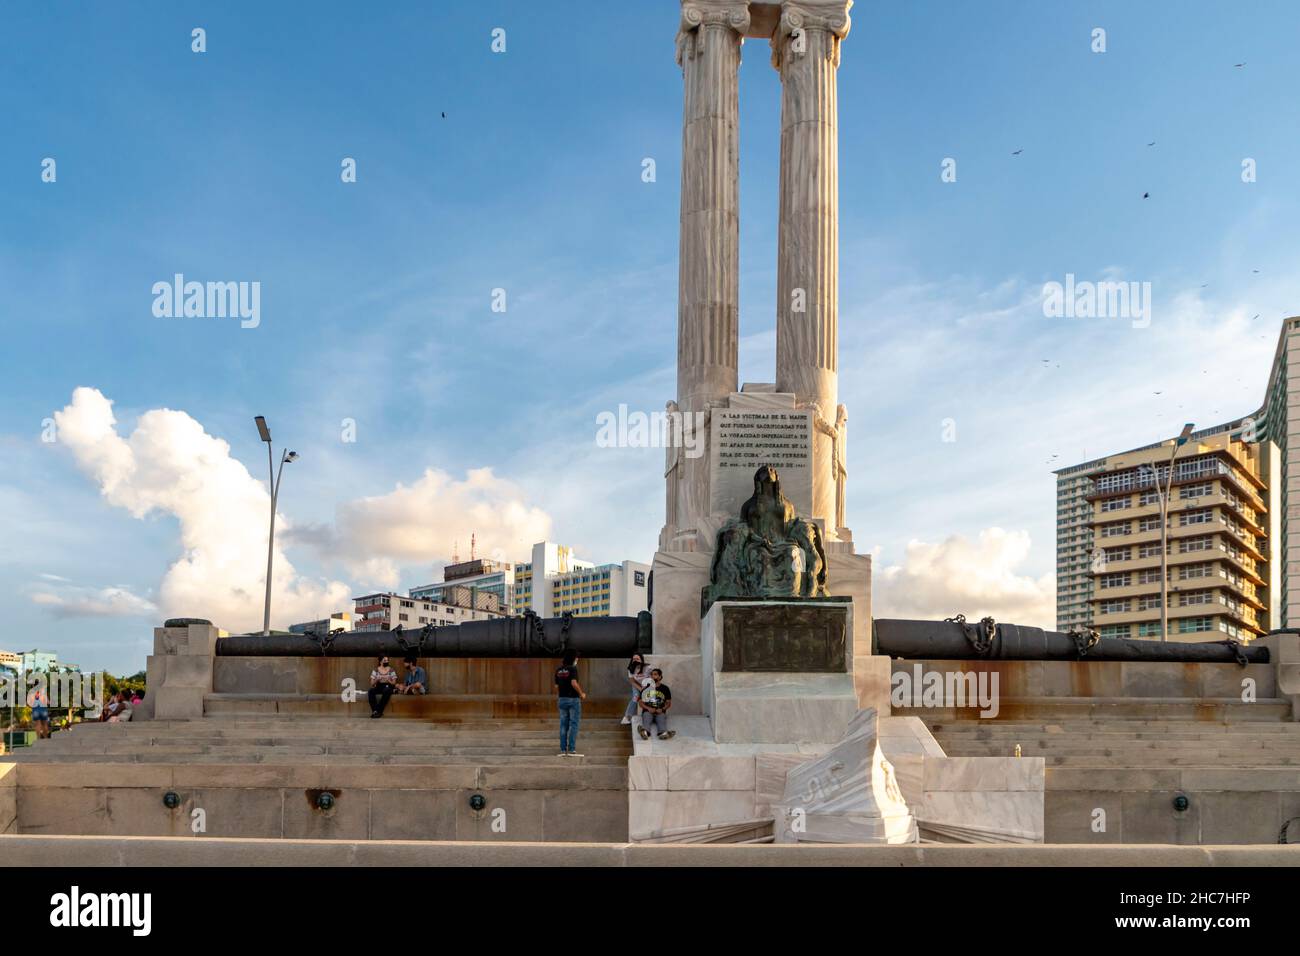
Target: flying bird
{"points": [[1239, 64], [1256, 317], [1152, 143], [1157, 393], [1018, 151], [444, 115], [1146, 195]]}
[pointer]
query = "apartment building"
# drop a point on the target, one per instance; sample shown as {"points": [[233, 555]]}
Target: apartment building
{"points": [[1221, 519]]}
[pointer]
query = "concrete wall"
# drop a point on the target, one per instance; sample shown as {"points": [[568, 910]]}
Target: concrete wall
{"points": [[24, 851], [1120, 679], [376, 802], [8, 798], [1238, 805], [508, 676]]}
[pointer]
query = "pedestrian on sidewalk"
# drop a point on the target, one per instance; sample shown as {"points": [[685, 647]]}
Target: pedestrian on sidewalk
{"points": [[570, 697]]}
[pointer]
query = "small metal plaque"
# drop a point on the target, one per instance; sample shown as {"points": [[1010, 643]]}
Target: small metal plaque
{"points": [[790, 638]]}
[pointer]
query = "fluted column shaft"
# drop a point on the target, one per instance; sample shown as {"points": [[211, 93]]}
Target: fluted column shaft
{"points": [[708, 299], [806, 52]]}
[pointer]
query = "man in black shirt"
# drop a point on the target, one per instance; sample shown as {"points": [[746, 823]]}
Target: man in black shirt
{"points": [[570, 695], [656, 701]]}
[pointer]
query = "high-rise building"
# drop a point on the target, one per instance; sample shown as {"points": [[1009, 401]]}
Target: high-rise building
{"points": [[1252, 529], [555, 582], [1278, 422], [466, 583], [1220, 513], [385, 611]]}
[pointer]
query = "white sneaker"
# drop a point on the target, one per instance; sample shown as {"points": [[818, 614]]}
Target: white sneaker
{"points": [[575, 755], [564, 753], [626, 720]]}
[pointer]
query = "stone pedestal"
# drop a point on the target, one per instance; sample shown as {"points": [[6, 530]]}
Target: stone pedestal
{"points": [[179, 672], [777, 672]]}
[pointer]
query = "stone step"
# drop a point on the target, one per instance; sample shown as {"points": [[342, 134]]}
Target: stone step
{"points": [[1173, 727], [1227, 709], [269, 738], [419, 759], [1064, 744], [404, 708]]}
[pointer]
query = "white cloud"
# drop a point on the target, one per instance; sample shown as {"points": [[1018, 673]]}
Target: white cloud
{"points": [[92, 602], [423, 522], [169, 464], [976, 578]]}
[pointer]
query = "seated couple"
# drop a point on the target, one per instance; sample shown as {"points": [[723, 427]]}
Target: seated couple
{"points": [[384, 682], [651, 700]]}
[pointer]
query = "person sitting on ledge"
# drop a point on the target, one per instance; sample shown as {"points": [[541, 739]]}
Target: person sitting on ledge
{"points": [[111, 708], [416, 681], [656, 701], [383, 681], [124, 709]]}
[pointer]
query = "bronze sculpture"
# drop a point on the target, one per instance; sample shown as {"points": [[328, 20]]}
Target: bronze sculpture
{"points": [[769, 551]]}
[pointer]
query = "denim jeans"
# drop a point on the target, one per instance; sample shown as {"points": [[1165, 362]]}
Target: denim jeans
{"points": [[570, 715], [655, 723]]}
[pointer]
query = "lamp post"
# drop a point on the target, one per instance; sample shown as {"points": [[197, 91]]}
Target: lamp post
{"points": [[1163, 495], [275, 476]]}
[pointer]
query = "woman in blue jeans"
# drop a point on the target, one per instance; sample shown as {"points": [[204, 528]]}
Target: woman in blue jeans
{"points": [[571, 696]]}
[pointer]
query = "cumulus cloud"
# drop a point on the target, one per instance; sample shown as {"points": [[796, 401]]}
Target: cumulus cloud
{"points": [[170, 465], [92, 602], [975, 578], [423, 522]]}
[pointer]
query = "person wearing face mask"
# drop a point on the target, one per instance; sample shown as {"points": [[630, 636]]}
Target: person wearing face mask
{"points": [[383, 681], [636, 676]]}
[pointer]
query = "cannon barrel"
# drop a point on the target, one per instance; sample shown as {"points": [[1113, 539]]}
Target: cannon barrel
{"points": [[954, 640], [528, 636]]}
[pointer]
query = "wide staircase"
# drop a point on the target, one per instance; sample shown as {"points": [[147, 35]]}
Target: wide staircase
{"points": [[1125, 742], [327, 777], [1157, 774], [238, 738]]}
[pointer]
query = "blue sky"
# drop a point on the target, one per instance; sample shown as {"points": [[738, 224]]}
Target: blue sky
{"points": [[376, 295]]}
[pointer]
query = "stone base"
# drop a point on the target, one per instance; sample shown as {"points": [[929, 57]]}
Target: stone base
{"points": [[775, 707], [781, 708], [679, 787]]}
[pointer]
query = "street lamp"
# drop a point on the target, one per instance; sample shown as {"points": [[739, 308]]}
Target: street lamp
{"points": [[275, 476], [1163, 495]]}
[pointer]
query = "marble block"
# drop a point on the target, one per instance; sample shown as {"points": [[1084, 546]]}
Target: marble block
{"points": [[679, 577], [848, 795], [682, 675], [773, 707]]}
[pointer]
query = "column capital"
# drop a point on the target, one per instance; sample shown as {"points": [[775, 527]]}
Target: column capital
{"points": [[797, 16], [698, 13]]}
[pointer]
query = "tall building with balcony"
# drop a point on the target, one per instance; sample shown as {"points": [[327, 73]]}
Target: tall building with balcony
{"points": [[385, 611], [1222, 517], [476, 578], [1278, 422], [556, 582]]}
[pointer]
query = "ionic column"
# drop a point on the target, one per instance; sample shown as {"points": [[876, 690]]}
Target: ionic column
{"points": [[806, 52], [708, 301]]}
